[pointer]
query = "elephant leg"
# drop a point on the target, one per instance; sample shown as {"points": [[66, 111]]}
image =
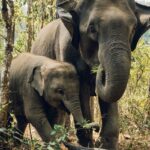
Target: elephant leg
{"points": [[21, 123], [19, 129], [40, 122], [84, 135], [110, 126], [42, 125], [36, 115]]}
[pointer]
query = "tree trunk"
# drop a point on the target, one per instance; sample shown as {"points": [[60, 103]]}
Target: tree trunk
{"points": [[8, 17], [92, 106], [43, 14], [95, 110], [30, 30], [51, 11], [149, 90]]}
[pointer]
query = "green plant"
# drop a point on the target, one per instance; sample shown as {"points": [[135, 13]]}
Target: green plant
{"points": [[59, 135]]}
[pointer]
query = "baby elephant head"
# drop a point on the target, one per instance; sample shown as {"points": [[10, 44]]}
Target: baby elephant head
{"points": [[58, 84]]}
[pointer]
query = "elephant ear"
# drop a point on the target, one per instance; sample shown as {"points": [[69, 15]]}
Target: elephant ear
{"points": [[72, 27], [64, 9], [36, 80], [143, 23]]}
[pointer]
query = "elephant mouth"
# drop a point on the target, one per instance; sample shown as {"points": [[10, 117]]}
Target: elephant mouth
{"points": [[102, 75], [63, 107]]}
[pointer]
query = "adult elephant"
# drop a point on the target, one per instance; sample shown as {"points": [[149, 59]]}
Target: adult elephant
{"points": [[105, 34]]}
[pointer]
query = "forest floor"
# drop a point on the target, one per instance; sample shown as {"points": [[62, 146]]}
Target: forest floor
{"points": [[126, 141]]}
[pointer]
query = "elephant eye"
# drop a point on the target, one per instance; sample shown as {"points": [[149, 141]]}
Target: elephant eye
{"points": [[92, 32], [60, 91], [91, 28]]}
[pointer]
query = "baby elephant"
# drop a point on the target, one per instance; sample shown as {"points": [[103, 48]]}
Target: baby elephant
{"points": [[42, 91]]}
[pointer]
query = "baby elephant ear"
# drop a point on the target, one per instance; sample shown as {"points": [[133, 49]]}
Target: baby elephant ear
{"points": [[36, 80], [143, 23]]}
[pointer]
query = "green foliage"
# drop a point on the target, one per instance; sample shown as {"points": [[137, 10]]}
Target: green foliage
{"points": [[135, 104], [42, 13], [8, 137], [1, 56], [59, 135], [94, 69]]}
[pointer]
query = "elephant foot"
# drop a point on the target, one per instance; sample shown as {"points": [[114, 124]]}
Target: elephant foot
{"points": [[109, 143], [85, 138], [86, 142]]}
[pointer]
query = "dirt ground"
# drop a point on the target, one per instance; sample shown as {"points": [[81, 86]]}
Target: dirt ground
{"points": [[126, 141]]}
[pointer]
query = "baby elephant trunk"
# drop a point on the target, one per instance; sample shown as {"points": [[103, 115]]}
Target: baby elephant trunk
{"points": [[75, 108]]}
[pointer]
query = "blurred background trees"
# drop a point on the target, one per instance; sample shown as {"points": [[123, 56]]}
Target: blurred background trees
{"points": [[19, 23], [31, 15], [8, 19]]}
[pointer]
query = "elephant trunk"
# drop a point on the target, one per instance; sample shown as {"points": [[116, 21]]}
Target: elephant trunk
{"points": [[75, 108], [77, 114], [73, 105], [113, 71]]}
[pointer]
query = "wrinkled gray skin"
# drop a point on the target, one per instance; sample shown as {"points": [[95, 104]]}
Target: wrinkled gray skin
{"points": [[106, 32], [42, 92]]}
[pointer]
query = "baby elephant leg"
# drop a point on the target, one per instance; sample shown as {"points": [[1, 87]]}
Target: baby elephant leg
{"points": [[19, 129], [36, 116], [42, 126], [21, 123]]}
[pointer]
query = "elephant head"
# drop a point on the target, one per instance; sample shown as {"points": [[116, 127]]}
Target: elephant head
{"points": [[59, 86], [109, 30]]}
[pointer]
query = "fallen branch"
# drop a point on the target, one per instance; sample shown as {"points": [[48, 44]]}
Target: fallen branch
{"points": [[74, 147]]}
